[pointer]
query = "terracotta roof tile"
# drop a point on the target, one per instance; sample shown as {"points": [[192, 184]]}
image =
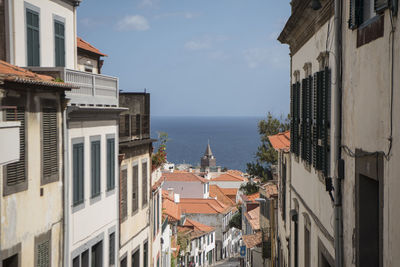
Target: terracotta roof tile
{"points": [[229, 177], [200, 205], [235, 172], [271, 190], [280, 141], [171, 209], [252, 240], [251, 198], [253, 217], [230, 191], [183, 177], [82, 44], [216, 192], [13, 73]]}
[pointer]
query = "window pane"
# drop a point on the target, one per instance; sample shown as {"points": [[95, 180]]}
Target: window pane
{"points": [[95, 168]]}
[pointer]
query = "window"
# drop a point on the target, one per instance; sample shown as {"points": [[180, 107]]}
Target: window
{"points": [[123, 196], [363, 10], [59, 43], [97, 255], [144, 184], [307, 246], [136, 258], [110, 163], [50, 170], [95, 167], [212, 236], [78, 173], [123, 262], [32, 37], [283, 192], [135, 188], [145, 254], [306, 117], [85, 258], [158, 212], [43, 250], [295, 118], [111, 250], [75, 262], [16, 180]]}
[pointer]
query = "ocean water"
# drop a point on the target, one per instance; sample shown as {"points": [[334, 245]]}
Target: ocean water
{"points": [[233, 140]]}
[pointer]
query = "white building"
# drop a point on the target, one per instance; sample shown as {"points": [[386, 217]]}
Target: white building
{"points": [[186, 184]]}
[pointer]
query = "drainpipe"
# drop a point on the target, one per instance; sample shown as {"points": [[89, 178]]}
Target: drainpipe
{"points": [[66, 188], [337, 171]]}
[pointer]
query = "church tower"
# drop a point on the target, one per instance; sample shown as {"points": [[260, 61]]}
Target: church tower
{"points": [[208, 160]]}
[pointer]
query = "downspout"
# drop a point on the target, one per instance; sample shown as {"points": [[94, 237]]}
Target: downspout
{"points": [[66, 189], [338, 170]]}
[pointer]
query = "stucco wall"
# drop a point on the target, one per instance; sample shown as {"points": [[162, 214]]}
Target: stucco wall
{"points": [[185, 189], [96, 215], [26, 214], [227, 184], [307, 182], [47, 46], [366, 125]]}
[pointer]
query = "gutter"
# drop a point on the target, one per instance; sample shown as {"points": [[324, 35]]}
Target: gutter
{"points": [[338, 171], [66, 189]]}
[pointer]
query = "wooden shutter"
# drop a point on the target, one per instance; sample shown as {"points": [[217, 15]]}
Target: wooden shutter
{"points": [[50, 164], [308, 111], [144, 184], [95, 167], [292, 118], [135, 188], [303, 117], [355, 13], [124, 204], [16, 172], [78, 172], [43, 254], [111, 250], [110, 163], [297, 118], [326, 114], [33, 38], [59, 42], [380, 5]]}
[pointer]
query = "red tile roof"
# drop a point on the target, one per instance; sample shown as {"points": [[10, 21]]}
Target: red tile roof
{"points": [[182, 177], [251, 198], [216, 192], [82, 44], [271, 190], [195, 229], [229, 176], [13, 73], [235, 172], [170, 208], [252, 240], [202, 206], [230, 191], [253, 217], [280, 141]]}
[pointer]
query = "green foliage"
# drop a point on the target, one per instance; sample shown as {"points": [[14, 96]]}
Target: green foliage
{"points": [[173, 261], [249, 188], [236, 220], [183, 241], [160, 157], [59, 80], [266, 154]]}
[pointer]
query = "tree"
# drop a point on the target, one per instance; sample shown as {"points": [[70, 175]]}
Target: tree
{"points": [[249, 188], [266, 154], [236, 220], [160, 157]]}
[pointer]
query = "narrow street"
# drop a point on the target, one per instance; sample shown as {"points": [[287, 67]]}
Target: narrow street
{"points": [[231, 262]]}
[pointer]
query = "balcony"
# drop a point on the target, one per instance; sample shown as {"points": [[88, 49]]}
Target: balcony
{"points": [[93, 89]]}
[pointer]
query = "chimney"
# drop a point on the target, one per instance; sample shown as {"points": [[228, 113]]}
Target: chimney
{"points": [[177, 198], [171, 192]]}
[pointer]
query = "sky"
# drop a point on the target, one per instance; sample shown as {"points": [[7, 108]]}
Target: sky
{"points": [[195, 57]]}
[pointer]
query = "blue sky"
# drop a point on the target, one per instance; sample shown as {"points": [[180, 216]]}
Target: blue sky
{"points": [[195, 57]]}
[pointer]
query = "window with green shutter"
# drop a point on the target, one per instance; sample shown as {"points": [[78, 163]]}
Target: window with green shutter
{"points": [[123, 196], [111, 250], [295, 119], [135, 188], [144, 184], [59, 43], [32, 37], [78, 173], [50, 165], [95, 167], [110, 163], [16, 172]]}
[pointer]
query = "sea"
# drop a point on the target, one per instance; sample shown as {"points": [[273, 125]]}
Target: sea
{"points": [[233, 140]]}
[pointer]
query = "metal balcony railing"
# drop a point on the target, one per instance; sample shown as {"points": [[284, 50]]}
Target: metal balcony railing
{"points": [[134, 126]]}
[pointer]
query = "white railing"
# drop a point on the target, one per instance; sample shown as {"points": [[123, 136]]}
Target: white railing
{"points": [[94, 89]]}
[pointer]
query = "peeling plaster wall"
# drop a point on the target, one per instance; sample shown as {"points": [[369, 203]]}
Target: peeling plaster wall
{"points": [[26, 215], [366, 125]]}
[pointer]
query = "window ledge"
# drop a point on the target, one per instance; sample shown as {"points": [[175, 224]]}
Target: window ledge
{"points": [[78, 206], [95, 198], [110, 192], [370, 30]]}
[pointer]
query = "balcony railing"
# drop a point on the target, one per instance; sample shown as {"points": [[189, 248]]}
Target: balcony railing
{"points": [[93, 89], [134, 126]]}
